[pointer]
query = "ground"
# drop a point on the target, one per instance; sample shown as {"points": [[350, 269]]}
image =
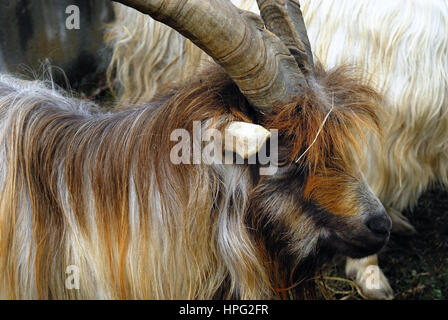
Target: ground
{"points": [[416, 266]]}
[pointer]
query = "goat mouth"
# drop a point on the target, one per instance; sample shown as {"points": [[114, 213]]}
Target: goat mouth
{"points": [[357, 247]]}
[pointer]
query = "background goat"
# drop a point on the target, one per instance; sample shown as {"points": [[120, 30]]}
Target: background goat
{"points": [[35, 32], [402, 48], [98, 190]]}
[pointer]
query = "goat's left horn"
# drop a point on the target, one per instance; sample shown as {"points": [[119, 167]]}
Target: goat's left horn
{"points": [[262, 67]]}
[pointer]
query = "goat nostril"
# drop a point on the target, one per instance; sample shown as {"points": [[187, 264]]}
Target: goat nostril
{"points": [[380, 225]]}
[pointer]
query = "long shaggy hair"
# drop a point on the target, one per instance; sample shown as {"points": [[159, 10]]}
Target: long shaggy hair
{"points": [[402, 48], [97, 190]]}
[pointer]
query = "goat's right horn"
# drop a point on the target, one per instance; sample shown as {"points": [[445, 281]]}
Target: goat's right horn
{"points": [[284, 18], [256, 59]]}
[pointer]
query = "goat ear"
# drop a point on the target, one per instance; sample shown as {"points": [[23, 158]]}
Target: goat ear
{"points": [[245, 139]]}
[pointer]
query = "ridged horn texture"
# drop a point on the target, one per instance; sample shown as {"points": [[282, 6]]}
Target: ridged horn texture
{"points": [[284, 18], [255, 58]]}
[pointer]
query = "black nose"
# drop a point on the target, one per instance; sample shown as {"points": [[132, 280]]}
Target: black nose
{"points": [[380, 224]]}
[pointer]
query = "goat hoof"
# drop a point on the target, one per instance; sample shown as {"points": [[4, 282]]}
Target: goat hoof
{"points": [[400, 224], [374, 284]]}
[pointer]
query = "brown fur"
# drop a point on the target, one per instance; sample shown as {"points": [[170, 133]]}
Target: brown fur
{"points": [[98, 190]]}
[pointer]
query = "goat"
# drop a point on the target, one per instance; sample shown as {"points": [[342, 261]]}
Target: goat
{"points": [[98, 190], [385, 40]]}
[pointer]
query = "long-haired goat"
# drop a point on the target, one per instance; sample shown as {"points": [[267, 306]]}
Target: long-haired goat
{"points": [[96, 190], [402, 48]]}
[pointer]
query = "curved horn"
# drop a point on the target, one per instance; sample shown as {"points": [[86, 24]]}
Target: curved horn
{"points": [[257, 61], [284, 18]]}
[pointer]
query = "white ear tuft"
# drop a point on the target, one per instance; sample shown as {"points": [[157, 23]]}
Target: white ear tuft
{"points": [[245, 139]]}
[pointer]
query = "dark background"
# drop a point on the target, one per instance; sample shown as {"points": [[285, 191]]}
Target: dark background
{"points": [[33, 36]]}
